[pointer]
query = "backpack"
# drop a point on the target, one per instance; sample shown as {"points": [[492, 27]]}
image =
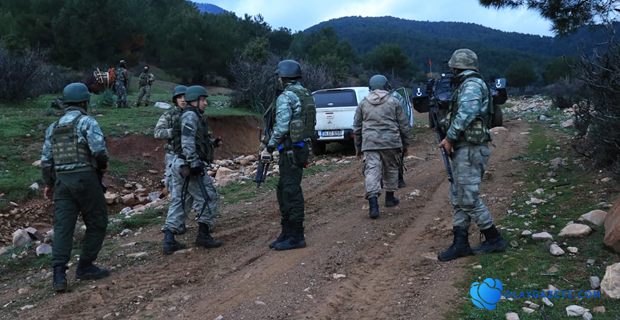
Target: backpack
{"points": [[495, 114], [301, 127]]}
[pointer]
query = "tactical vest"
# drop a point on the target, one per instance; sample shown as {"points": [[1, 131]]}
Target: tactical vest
{"points": [[65, 146], [174, 143], [478, 130], [204, 146], [143, 79], [301, 126]]}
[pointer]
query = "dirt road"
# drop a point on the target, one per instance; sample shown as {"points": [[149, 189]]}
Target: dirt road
{"points": [[353, 267]]}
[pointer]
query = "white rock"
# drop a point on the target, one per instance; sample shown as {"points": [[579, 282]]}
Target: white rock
{"points": [[606, 179], [512, 316], [532, 305], [37, 163], [599, 309], [575, 230], [555, 250], [528, 310], [220, 317], [128, 244], [162, 105], [125, 232], [595, 217], [415, 193], [44, 248], [610, 286], [3, 250], [534, 200], [26, 307], [137, 254], [110, 197], [542, 236], [572, 250], [587, 316], [260, 303], [526, 233], [20, 238], [595, 282], [338, 275], [34, 186], [547, 302], [126, 211], [575, 311], [568, 123]]}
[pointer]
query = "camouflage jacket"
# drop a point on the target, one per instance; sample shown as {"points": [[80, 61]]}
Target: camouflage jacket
{"points": [[168, 127], [146, 79], [380, 123], [88, 132], [288, 106], [196, 142], [121, 75], [405, 106], [470, 101]]}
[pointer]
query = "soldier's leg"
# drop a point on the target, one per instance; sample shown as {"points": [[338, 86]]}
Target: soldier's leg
{"points": [[66, 210], [95, 214], [140, 96], [175, 219], [291, 197], [208, 209], [211, 209], [390, 160], [147, 92], [373, 171]]}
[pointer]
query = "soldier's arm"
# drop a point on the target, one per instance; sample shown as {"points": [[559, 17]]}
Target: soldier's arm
{"points": [[96, 141], [163, 130], [189, 125], [283, 118], [403, 125], [357, 127], [469, 106], [47, 159]]}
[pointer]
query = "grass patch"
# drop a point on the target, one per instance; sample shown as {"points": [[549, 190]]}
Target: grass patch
{"points": [[148, 218], [528, 265], [27, 261]]}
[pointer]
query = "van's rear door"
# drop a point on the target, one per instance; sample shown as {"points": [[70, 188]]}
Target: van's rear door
{"points": [[335, 110]]}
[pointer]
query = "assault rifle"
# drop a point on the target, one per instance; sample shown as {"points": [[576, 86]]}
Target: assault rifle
{"points": [[264, 135]]}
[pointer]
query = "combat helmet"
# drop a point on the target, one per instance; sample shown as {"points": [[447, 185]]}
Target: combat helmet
{"points": [[464, 59], [75, 92], [288, 69], [379, 81], [178, 90], [194, 93]]}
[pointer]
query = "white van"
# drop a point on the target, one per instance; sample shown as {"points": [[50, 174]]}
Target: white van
{"points": [[335, 109]]}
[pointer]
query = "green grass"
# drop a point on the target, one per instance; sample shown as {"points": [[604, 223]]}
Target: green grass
{"points": [[525, 267], [29, 261], [148, 218]]}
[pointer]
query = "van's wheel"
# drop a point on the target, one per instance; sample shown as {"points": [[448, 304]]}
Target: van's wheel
{"points": [[318, 148]]}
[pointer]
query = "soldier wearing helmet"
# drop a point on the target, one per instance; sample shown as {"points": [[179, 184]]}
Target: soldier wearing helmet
{"points": [[120, 84], [73, 160], [189, 175], [145, 81], [381, 132], [295, 118], [467, 142]]}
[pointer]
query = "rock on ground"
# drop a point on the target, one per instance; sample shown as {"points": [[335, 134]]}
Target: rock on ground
{"points": [[542, 236], [555, 250], [21, 238], [612, 227], [44, 249], [575, 311], [595, 217], [575, 230], [610, 286]]}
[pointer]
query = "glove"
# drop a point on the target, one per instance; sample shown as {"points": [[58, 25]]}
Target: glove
{"points": [[217, 142], [198, 169], [184, 171], [270, 149], [265, 155], [405, 152]]}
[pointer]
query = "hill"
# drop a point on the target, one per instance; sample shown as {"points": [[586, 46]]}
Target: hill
{"points": [[209, 8]]}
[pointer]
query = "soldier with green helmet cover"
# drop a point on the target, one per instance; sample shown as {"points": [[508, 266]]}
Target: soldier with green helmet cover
{"points": [[121, 83], [189, 175], [145, 81], [295, 119], [381, 131], [73, 160], [467, 137]]}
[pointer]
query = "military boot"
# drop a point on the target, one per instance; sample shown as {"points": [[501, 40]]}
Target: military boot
{"points": [[170, 245], [373, 208], [283, 234], [459, 248], [204, 238], [391, 200], [493, 242], [86, 270], [295, 239], [59, 282]]}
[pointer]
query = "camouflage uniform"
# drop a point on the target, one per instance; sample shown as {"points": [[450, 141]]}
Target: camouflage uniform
{"points": [[405, 105], [145, 80], [197, 146], [70, 165], [469, 161], [293, 157], [120, 87], [381, 131]]}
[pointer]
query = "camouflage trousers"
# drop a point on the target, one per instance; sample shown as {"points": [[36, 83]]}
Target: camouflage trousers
{"points": [[381, 165], [168, 183], [145, 92], [175, 220], [468, 165], [121, 95]]}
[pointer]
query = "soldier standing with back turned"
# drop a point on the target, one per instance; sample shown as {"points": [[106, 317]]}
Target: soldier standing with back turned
{"points": [[73, 160], [467, 141], [145, 81]]}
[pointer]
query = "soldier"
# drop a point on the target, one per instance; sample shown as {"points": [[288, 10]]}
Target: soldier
{"points": [[120, 84], [382, 133], [145, 80], [73, 161], [189, 174], [295, 118], [168, 127], [467, 141], [404, 104]]}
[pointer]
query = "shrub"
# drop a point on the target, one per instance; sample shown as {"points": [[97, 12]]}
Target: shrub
{"points": [[19, 74]]}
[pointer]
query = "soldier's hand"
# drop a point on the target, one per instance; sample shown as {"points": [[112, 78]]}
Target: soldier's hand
{"points": [[358, 154], [218, 142], [48, 193], [446, 145], [405, 152], [197, 170]]}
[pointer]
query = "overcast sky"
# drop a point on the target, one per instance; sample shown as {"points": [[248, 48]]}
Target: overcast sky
{"points": [[298, 15]]}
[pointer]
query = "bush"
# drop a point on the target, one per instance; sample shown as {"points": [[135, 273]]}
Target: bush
{"points": [[566, 92], [19, 74], [601, 77]]}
